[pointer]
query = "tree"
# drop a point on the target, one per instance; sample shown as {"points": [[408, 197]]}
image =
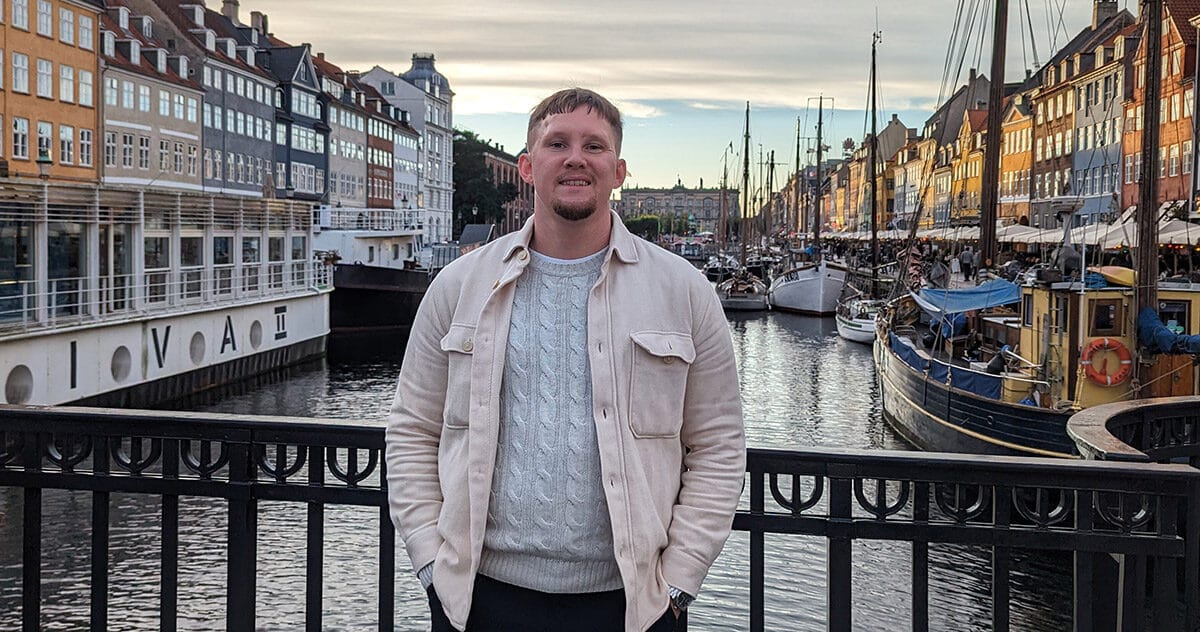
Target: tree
{"points": [[477, 197]]}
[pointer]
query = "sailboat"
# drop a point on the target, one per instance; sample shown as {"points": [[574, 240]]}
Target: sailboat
{"points": [[811, 286], [743, 291], [856, 309], [999, 368]]}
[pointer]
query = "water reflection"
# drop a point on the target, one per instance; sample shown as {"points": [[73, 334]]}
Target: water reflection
{"points": [[801, 386]]}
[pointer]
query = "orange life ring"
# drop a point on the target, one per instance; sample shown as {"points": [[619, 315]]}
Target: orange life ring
{"points": [[1107, 344]]}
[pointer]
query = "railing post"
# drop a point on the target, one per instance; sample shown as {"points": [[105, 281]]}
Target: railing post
{"points": [[315, 552], [169, 547], [31, 533], [1191, 560], [387, 559], [243, 529], [839, 575], [100, 509], [757, 545]]}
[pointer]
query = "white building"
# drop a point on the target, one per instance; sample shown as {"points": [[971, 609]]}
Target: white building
{"points": [[425, 94]]}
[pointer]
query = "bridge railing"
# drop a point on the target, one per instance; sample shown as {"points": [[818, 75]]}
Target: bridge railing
{"points": [[1144, 516], [1160, 430]]}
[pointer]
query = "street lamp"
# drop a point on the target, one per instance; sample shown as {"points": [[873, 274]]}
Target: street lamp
{"points": [[43, 164]]}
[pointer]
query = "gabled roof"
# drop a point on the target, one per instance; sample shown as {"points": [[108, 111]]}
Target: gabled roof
{"points": [[1179, 12], [212, 20], [976, 121], [144, 67]]}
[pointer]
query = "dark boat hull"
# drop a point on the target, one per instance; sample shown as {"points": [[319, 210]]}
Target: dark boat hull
{"points": [[934, 416], [369, 298]]}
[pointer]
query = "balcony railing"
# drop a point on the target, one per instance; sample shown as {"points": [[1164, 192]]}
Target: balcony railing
{"points": [[1144, 516], [375, 219]]}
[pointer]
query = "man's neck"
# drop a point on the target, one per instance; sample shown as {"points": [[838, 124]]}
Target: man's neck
{"points": [[556, 237]]}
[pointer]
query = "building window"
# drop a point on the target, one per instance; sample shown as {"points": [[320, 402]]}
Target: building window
{"points": [[218, 115], [208, 164], [1173, 170], [164, 103], [164, 156], [144, 152], [66, 26], [20, 78], [216, 165], [179, 107], [85, 147], [85, 32], [20, 14], [191, 110], [110, 149], [45, 78], [44, 24], [66, 83], [1162, 162], [178, 157], [127, 151], [66, 144], [45, 132], [191, 160], [20, 141], [143, 98], [127, 95]]}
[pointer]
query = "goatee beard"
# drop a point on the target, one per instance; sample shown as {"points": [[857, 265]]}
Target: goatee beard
{"points": [[574, 212]]}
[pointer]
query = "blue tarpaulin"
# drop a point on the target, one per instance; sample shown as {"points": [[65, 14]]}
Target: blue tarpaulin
{"points": [[1158, 338], [975, 382], [991, 294]]}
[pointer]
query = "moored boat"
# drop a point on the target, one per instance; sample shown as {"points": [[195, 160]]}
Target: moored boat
{"points": [[856, 319], [742, 292], [809, 288]]}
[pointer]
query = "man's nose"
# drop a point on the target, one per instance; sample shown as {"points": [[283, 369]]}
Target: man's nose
{"points": [[575, 155]]}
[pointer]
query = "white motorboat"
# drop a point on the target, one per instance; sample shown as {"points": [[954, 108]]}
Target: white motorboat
{"points": [[743, 292], [856, 319], [811, 288]]}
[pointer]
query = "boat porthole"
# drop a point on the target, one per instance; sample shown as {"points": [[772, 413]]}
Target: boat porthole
{"points": [[256, 334], [991, 421], [122, 362], [196, 348], [18, 388]]}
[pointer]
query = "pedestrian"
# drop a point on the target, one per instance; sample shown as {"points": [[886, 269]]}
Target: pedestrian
{"points": [[566, 448], [966, 261]]}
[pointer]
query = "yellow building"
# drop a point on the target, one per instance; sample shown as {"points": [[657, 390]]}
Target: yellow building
{"points": [[48, 100], [967, 166], [1016, 160]]}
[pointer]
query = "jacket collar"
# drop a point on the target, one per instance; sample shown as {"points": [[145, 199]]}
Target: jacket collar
{"points": [[620, 240]]}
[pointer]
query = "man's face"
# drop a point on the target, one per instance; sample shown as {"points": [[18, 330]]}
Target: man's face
{"points": [[572, 164]]}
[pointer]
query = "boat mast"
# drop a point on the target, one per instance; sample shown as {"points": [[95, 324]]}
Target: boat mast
{"points": [[991, 152], [768, 222], [745, 185], [816, 220], [793, 221], [723, 202], [874, 175], [1146, 256]]}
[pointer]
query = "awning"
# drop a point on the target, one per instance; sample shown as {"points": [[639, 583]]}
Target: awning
{"points": [[991, 294]]}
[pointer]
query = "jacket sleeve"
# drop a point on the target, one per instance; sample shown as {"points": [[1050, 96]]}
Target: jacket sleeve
{"points": [[714, 443], [414, 430]]}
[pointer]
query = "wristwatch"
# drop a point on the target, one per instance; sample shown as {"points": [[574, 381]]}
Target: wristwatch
{"points": [[679, 599]]}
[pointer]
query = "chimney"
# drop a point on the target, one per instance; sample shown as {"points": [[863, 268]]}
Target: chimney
{"points": [[971, 77], [229, 9], [256, 20], [321, 55], [1102, 10]]}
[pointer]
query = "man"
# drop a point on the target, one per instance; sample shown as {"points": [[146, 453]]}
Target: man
{"points": [[566, 449], [966, 261]]}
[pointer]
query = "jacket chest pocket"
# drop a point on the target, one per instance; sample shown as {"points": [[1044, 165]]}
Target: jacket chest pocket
{"points": [[459, 346], [658, 382]]}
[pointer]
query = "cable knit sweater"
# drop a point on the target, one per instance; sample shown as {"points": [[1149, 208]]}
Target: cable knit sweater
{"points": [[548, 527]]}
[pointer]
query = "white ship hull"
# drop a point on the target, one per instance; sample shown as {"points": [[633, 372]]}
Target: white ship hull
{"points": [[856, 329], [810, 289]]}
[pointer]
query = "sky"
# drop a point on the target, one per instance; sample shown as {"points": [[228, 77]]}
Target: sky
{"points": [[682, 70]]}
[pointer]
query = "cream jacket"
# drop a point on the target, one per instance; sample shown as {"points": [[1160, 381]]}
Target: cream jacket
{"points": [[665, 403]]}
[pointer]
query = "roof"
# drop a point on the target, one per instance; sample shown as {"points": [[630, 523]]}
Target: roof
{"points": [[976, 120], [1180, 12], [423, 69], [212, 20], [144, 66]]}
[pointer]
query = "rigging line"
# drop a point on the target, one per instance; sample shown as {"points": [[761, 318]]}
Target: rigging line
{"points": [[968, 27], [983, 36], [1032, 37], [1062, 25], [950, 46], [1024, 59], [1050, 27]]}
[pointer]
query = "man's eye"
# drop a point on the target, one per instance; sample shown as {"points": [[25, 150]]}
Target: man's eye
{"points": [[595, 147]]}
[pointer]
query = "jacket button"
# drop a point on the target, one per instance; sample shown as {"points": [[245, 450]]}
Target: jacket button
{"points": [[468, 345], [668, 360], [522, 255]]}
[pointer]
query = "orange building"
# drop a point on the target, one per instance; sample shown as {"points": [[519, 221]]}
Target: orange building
{"points": [[1016, 159], [967, 168], [48, 101]]}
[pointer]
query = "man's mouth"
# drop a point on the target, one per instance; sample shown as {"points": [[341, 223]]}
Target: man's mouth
{"points": [[575, 182]]}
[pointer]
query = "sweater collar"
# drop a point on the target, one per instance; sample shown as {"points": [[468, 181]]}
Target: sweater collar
{"points": [[620, 240]]}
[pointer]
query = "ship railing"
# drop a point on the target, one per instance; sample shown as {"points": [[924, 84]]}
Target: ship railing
{"points": [[1158, 430], [1133, 529], [79, 300], [371, 219]]}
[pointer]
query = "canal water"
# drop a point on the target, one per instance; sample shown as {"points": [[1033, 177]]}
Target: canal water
{"points": [[801, 385]]}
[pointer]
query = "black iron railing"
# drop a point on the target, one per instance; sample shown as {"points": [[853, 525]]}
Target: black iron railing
{"points": [[1146, 517], [1161, 430]]}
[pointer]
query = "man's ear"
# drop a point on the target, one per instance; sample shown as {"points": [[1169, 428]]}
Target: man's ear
{"points": [[525, 168], [622, 171]]}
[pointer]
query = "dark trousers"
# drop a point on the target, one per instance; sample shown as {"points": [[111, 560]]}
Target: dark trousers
{"points": [[501, 607]]}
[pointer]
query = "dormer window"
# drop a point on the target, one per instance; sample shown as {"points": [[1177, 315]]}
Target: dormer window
{"points": [[229, 49], [147, 26], [135, 52], [183, 66], [110, 44], [210, 40], [123, 17], [302, 72], [162, 61]]}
